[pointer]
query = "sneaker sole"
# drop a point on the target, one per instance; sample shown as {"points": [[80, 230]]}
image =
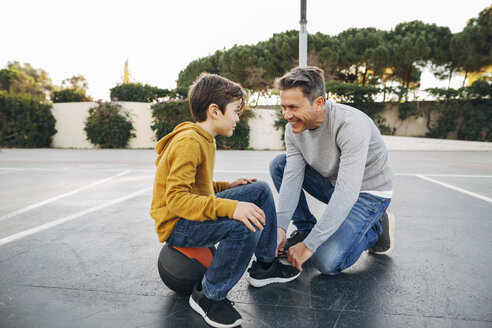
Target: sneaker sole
{"points": [[391, 223], [194, 305], [263, 282]]}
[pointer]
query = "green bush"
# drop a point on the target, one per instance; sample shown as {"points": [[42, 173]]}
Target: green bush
{"points": [[138, 92], [166, 115], [25, 122], [108, 126], [468, 111], [68, 95]]}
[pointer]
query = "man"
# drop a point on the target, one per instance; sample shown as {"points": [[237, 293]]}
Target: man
{"points": [[335, 153]]}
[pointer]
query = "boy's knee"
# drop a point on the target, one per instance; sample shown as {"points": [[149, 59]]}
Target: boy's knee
{"points": [[240, 231], [263, 187], [277, 163]]}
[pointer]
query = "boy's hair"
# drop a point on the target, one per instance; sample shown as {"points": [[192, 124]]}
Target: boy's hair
{"points": [[310, 79], [213, 89]]}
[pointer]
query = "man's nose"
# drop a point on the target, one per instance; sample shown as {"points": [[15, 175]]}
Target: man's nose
{"points": [[287, 115]]}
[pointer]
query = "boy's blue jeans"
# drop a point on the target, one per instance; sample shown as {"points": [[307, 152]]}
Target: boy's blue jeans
{"points": [[358, 232], [237, 242]]}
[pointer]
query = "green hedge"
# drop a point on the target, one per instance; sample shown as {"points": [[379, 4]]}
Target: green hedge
{"points": [[25, 122], [68, 95], [108, 126], [144, 93], [166, 115], [468, 111]]}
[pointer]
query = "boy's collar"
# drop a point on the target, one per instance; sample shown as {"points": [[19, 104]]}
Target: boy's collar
{"points": [[205, 133]]}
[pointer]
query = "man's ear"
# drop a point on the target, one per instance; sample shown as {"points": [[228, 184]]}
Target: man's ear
{"points": [[212, 110], [319, 102]]}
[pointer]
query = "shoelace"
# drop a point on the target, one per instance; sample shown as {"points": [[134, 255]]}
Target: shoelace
{"points": [[212, 304]]}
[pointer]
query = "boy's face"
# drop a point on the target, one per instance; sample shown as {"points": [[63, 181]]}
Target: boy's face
{"points": [[299, 111], [226, 122]]}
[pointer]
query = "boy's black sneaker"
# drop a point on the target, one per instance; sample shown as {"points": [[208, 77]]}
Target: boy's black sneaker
{"points": [[216, 313], [386, 240], [295, 238], [277, 272]]}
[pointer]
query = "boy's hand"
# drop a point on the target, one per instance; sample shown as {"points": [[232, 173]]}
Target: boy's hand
{"points": [[241, 181], [249, 213], [281, 239]]}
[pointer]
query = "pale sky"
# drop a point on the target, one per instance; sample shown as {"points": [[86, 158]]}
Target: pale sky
{"points": [[94, 38]]}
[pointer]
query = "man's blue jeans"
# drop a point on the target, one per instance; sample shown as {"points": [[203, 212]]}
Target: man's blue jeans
{"points": [[358, 232], [237, 242]]}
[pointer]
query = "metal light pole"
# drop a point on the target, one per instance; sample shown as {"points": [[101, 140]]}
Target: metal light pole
{"points": [[303, 36]]}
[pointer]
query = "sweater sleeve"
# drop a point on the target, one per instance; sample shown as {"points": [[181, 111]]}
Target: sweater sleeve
{"points": [[290, 190], [220, 186], [353, 141], [183, 163]]}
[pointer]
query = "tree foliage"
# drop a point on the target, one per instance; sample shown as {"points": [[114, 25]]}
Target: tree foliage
{"points": [[73, 89], [25, 79], [25, 122], [357, 55]]}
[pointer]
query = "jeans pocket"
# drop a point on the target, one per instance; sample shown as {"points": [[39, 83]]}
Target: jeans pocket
{"points": [[376, 200]]}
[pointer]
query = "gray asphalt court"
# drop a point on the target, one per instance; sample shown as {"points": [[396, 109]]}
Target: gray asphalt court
{"points": [[78, 247]]}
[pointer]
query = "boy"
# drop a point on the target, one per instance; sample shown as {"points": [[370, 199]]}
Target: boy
{"points": [[191, 210]]}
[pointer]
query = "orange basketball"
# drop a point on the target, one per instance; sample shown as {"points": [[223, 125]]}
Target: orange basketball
{"points": [[181, 267]]}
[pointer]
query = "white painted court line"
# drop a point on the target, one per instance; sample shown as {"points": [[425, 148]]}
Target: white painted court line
{"points": [[22, 234], [47, 201], [444, 175], [9, 169], [257, 172], [487, 199]]}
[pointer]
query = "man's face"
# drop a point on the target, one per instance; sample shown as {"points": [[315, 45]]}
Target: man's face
{"points": [[227, 121], [299, 111]]}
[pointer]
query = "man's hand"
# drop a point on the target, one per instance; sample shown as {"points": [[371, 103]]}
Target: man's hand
{"points": [[249, 214], [281, 239], [298, 254], [241, 181]]}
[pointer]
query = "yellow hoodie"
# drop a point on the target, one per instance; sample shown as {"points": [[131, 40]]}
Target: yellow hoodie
{"points": [[183, 185]]}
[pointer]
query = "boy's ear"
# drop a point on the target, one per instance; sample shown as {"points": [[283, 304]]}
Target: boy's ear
{"points": [[212, 110]]}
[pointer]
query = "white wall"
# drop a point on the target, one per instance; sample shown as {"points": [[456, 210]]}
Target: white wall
{"points": [[262, 134], [70, 123], [70, 118]]}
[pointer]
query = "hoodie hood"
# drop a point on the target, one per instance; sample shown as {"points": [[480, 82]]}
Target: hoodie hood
{"points": [[162, 144]]}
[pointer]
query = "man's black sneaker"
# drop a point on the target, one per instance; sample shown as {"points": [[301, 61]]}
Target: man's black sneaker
{"points": [[277, 272], [386, 240], [295, 238], [216, 313]]}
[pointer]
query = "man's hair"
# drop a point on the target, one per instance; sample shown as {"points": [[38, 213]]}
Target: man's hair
{"points": [[310, 79], [213, 89]]}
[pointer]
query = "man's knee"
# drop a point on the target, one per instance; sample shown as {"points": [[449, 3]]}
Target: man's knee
{"points": [[277, 164], [328, 264]]}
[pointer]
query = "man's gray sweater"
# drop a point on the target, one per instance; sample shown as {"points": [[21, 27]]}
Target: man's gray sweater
{"points": [[348, 150]]}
